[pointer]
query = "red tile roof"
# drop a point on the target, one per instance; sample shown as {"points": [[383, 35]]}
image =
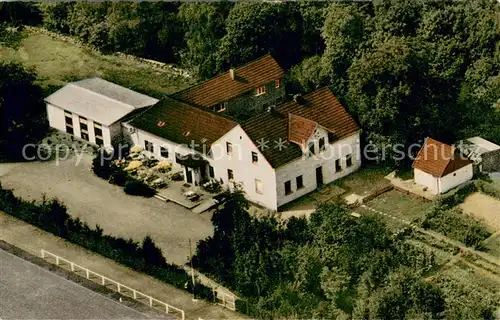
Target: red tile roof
{"points": [[300, 129], [319, 106], [222, 88], [181, 123], [439, 159]]}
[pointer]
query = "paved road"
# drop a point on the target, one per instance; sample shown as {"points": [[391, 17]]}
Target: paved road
{"points": [[30, 292], [95, 201]]}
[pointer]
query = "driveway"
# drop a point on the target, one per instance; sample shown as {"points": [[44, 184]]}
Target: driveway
{"points": [[95, 201]]}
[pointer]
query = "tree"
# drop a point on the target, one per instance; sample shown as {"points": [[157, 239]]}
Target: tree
{"points": [[21, 109], [55, 16], [204, 25], [255, 28], [87, 21]]}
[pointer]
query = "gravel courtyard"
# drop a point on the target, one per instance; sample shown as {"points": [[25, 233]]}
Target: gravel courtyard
{"points": [[95, 201]]}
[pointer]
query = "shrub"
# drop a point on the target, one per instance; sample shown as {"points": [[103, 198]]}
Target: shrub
{"points": [[457, 196], [102, 166], [119, 177], [138, 188], [212, 186], [456, 225]]}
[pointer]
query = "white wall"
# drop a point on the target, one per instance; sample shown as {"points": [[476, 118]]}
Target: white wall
{"points": [[306, 166], [456, 178], [57, 120], [56, 117], [245, 171], [427, 180], [139, 137]]}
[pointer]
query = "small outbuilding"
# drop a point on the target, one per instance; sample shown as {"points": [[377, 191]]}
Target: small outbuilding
{"points": [[93, 109], [485, 154], [440, 167]]}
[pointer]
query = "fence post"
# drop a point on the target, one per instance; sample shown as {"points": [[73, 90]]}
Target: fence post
{"points": [[72, 267], [118, 287], [135, 294], [103, 280], [166, 308], [43, 254], [87, 273], [150, 301], [57, 260]]}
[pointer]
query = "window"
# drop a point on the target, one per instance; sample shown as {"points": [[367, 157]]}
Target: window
{"points": [[338, 165], [259, 186], [85, 136], [288, 187], [300, 182], [69, 118], [311, 148], [255, 157], [331, 137], [348, 160], [164, 152], [277, 83], [99, 141], [148, 145], [321, 144], [211, 172], [230, 175], [229, 148], [260, 90], [83, 126], [69, 129], [220, 107], [97, 131]]}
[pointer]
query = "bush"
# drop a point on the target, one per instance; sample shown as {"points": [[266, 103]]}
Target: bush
{"points": [[119, 177], [138, 188], [457, 196], [102, 166], [456, 225], [488, 188]]}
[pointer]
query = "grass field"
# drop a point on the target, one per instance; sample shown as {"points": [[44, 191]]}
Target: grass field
{"points": [[365, 180], [400, 205], [58, 62]]}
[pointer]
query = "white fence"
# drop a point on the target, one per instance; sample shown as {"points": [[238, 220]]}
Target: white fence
{"points": [[225, 300], [116, 286]]}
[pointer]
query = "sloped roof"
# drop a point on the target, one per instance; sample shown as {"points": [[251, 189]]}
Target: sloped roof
{"points": [[222, 87], [183, 124], [99, 100], [319, 106], [300, 129], [439, 159]]}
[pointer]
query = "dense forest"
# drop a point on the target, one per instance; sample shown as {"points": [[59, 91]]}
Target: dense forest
{"points": [[406, 70]]}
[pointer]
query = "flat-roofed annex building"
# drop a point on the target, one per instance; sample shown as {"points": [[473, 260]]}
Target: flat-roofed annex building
{"points": [[92, 109]]}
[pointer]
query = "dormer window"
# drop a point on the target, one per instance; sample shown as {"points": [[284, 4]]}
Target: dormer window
{"points": [[260, 90], [277, 83], [321, 143], [220, 107]]}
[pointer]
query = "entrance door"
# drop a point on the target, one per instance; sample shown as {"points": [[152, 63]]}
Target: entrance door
{"points": [[189, 175], [319, 176]]}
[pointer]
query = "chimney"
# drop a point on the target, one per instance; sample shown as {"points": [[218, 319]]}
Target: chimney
{"points": [[232, 73]]}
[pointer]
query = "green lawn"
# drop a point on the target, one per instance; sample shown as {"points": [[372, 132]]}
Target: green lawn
{"points": [[58, 62], [365, 180], [400, 205]]}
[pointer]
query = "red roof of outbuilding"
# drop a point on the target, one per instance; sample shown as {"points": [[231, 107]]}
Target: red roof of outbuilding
{"points": [[439, 159]]}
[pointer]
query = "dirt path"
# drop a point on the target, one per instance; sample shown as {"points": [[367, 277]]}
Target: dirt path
{"points": [[483, 207], [32, 240]]}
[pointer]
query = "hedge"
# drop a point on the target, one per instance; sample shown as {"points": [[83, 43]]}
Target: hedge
{"points": [[458, 195], [51, 216]]}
